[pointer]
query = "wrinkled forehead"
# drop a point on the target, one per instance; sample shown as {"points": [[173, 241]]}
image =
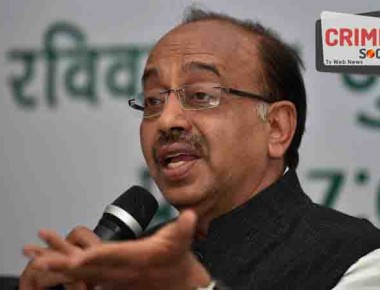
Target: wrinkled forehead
{"points": [[225, 45]]}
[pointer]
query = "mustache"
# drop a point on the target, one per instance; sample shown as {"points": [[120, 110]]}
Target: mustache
{"points": [[178, 135], [198, 142]]}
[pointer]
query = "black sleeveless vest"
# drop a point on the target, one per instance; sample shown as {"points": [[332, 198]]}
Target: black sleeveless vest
{"points": [[280, 239]]}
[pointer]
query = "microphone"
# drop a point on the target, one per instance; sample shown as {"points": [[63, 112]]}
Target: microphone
{"points": [[128, 216]]}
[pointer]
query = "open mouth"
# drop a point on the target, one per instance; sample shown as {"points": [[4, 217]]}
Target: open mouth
{"points": [[176, 160]]}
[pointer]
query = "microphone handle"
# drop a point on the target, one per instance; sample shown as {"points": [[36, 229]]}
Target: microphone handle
{"points": [[110, 228]]}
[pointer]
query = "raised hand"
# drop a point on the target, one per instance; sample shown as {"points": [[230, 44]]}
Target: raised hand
{"points": [[162, 261], [35, 277]]}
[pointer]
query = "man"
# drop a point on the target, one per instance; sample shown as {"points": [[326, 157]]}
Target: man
{"points": [[224, 113]]}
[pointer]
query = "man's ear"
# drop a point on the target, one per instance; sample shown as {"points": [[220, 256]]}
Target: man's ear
{"points": [[282, 121]]}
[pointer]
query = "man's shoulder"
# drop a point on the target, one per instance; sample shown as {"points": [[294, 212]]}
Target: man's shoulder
{"points": [[323, 222], [324, 243], [331, 224]]}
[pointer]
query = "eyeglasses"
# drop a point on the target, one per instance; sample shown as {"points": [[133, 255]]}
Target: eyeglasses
{"points": [[200, 96]]}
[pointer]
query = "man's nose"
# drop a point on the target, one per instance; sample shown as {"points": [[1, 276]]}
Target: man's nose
{"points": [[173, 115]]}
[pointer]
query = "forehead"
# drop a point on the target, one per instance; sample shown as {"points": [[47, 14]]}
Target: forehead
{"points": [[230, 48]]}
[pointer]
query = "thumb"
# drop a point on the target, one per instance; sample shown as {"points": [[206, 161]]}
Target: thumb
{"points": [[181, 231]]}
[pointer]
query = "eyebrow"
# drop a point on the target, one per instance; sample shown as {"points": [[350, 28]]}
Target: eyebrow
{"points": [[191, 66], [149, 73], [197, 65]]}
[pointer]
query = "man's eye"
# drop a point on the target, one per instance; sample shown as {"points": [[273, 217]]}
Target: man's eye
{"points": [[152, 102], [201, 97]]}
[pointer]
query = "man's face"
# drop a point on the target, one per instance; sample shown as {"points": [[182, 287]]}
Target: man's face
{"points": [[212, 159]]}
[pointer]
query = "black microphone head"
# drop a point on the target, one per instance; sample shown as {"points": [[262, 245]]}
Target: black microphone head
{"points": [[139, 203], [128, 216]]}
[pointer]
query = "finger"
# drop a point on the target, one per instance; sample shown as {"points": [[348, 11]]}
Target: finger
{"points": [[32, 278], [54, 241], [99, 274], [83, 237], [168, 242], [31, 251], [42, 282], [124, 254], [56, 261], [112, 254]]}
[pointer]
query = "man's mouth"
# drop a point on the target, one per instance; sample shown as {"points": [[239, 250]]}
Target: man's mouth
{"points": [[176, 159]]}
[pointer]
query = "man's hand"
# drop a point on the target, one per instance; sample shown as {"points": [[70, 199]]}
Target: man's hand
{"points": [[161, 261], [34, 277]]}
